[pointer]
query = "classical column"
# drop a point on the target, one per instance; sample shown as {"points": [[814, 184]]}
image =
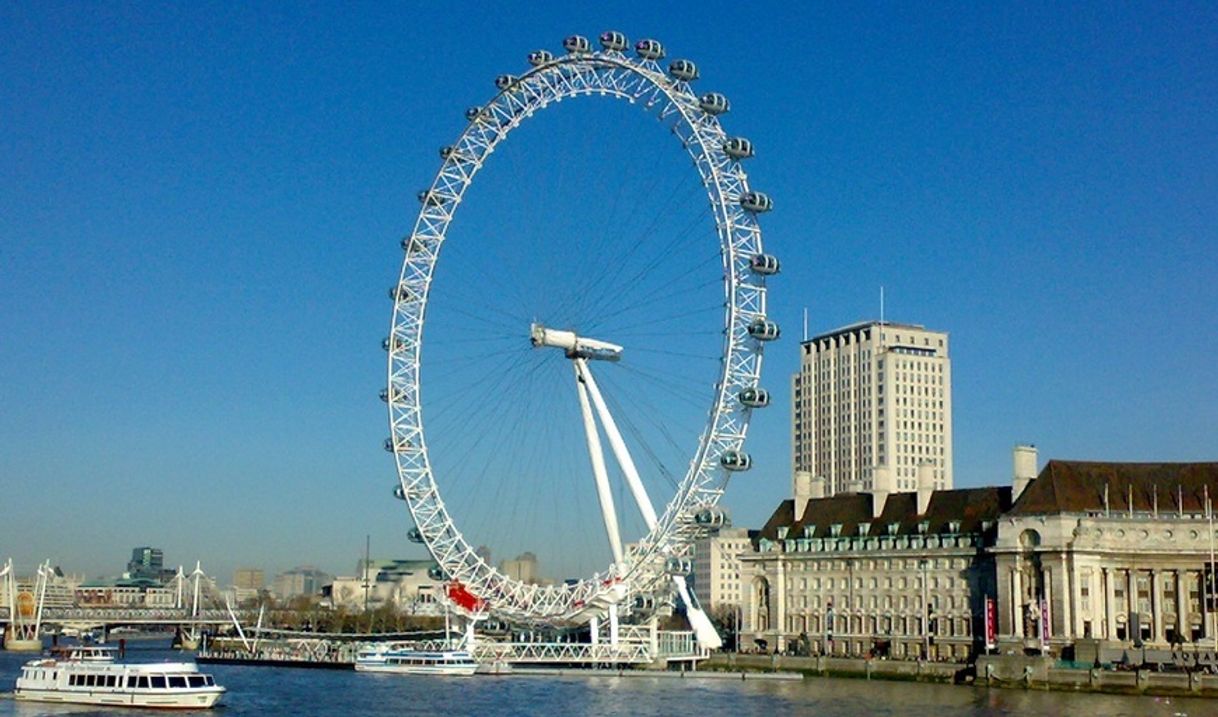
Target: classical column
{"points": [[1181, 606], [778, 616], [1071, 600], [1156, 606], [1016, 603], [1110, 608], [1131, 601]]}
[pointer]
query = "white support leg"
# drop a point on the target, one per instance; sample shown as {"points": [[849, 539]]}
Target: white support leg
{"points": [[708, 637], [619, 448], [595, 452], [595, 626], [613, 627]]}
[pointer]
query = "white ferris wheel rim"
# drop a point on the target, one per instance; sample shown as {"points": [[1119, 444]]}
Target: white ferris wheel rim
{"points": [[637, 80]]}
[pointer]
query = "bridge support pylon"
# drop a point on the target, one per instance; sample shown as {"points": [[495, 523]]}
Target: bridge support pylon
{"points": [[24, 630]]}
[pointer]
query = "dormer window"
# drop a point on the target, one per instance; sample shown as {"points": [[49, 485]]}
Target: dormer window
{"points": [[782, 532], [809, 531], [953, 527], [894, 528], [835, 530], [864, 529], [923, 527]]}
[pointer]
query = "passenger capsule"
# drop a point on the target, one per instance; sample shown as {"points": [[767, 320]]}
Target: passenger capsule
{"points": [[414, 535], [576, 43], [713, 103], [736, 461], [614, 41], [754, 397], [435, 572], [446, 152], [412, 244], [473, 113], [395, 344], [758, 202], [649, 49], [430, 198], [738, 148], [765, 264], [401, 292], [385, 395], [710, 518], [763, 329], [540, 57], [644, 602], [683, 70], [678, 566], [505, 81], [398, 492], [389, 445]]}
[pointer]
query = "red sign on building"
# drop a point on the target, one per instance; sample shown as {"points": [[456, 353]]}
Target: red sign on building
{"points": [[991, 624]]}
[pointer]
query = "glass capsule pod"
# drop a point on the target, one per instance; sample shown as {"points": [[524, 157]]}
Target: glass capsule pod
{"points": [[401, 292], [576, 43], [678, 566], [389, 445], [446, 152], [683, 70], [756, 202], [649, 49], [414, 535], [430, 198], [754, 397], [398, 492], [765, 264], [763, 329], [713, 103], [435, 572], [710, 518], [736, 461], [410, 243], [385, 395], [538, 58], [614, 41], [473, 113], [738, 148], [644, 602], [505, 81], [394, 343]]}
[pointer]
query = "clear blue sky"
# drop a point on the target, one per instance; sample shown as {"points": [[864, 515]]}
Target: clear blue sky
{"points": [[200, 207]]}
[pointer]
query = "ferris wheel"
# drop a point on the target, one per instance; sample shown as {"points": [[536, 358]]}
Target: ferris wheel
{"points": [[659, 560]]}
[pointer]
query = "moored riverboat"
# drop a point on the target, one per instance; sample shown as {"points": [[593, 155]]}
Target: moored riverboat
{"points": [[89, 675]]}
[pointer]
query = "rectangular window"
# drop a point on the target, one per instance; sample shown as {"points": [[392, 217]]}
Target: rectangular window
{"points": [[158, 682], [177, 680]]}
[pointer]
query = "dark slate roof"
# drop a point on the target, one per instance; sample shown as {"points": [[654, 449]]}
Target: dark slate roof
{"points": [[1078, 487], [971, 506]]}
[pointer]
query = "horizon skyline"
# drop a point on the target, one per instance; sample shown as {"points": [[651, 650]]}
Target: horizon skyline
{"points": [[202, 208]]}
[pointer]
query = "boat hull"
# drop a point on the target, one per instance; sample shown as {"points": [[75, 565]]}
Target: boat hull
{"points": [[202, 699], [450, 670]]}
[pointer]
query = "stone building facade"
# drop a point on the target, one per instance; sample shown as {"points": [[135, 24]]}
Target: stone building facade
{"points": [[717, 569], [1115, 552], [897, 574]]}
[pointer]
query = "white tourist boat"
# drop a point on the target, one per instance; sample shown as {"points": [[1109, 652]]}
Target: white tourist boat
{"points": [[406, 660], [89, 675]]}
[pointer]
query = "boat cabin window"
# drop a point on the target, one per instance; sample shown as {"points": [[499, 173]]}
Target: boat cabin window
{"points": [[90, 680], [131, 681], [143, 681], [158, 682], [197, 681], [177, 680], [210, 682]]}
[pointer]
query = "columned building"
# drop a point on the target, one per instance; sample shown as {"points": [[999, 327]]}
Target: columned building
{"points": [[872, 403], [901, 574], [1115, 552]]}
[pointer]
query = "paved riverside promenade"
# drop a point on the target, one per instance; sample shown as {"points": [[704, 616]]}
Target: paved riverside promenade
{"points": [[1005, 671]]}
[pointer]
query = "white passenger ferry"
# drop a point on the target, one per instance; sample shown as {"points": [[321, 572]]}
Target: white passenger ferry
{"points": [[90, 676], [410, 661]]}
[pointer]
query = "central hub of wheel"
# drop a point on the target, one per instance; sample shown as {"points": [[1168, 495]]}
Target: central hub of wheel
{"points": [[573, 345]]}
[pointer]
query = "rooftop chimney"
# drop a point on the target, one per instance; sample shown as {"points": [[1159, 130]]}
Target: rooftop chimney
{"points": [[802, 492], [1025, 469], [926, 486], [881, 486]]}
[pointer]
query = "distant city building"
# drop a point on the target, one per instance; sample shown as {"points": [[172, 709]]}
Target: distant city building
{"points": [[484, 552], [1116, 552], [148, 563], [522, 568], [408, 585], [872, 403], [125, 592], [249, 579], [717, 568], [301, 580]]}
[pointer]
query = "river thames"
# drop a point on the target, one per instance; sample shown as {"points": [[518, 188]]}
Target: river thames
{"points": [[287, 691]]}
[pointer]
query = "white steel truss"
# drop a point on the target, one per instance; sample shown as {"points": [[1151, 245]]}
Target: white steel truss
{"points": [[640, 570]]}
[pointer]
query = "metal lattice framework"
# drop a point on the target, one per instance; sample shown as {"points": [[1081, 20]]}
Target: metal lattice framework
{"points": [[694, 121]]}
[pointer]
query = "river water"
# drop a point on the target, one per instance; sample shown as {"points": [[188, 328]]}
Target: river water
{"points": [[286, 691]]}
